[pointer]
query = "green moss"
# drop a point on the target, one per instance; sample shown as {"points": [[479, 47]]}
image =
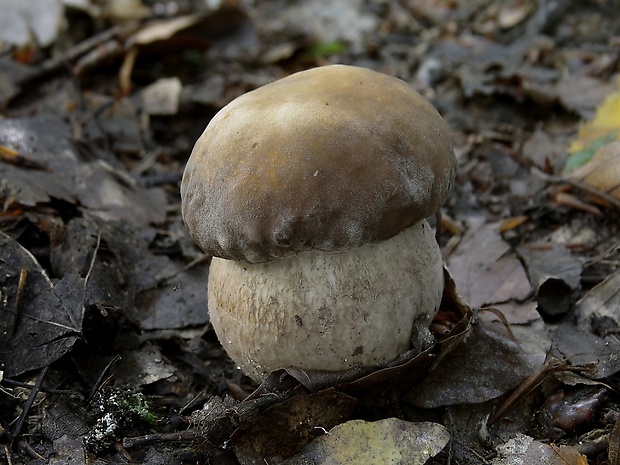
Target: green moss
{"points": [[326, 49]]}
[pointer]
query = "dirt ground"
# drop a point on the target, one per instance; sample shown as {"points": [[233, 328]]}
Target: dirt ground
{"points": [[106, 350]]}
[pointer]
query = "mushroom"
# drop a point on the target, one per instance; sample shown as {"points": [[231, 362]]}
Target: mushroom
{"points": [[311, 194]]}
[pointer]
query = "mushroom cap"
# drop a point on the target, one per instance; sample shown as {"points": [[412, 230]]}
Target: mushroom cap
{"points": [[325, 159]]}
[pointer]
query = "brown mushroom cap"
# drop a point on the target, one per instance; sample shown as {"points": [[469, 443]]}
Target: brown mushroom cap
{"points": [[325, 159]]}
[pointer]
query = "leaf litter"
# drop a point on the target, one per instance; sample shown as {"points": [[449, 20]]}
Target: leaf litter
{"points": [[103, 308]]}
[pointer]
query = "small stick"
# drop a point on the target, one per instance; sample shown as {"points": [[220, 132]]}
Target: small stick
{"points": [[7, 454], [64, 392], [26, 448], [102, 378], [53, 64], [21, 286], [578, 185], [190, 435], [33, 394], [532, 382]]}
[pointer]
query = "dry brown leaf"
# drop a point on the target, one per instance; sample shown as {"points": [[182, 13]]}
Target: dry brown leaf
{"points": [[386, 441], [485, 270], [603, 170], [164, 29], [598, 309], [513, 14], [524, 449]]}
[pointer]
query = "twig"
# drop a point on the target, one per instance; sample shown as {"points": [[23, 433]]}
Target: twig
{"points": [[16, 158], [190, 435], [193, 401], [26, 448], [64, 392], [33, 394], [504, 321], [55, 63], [578, 185], [102, 378], [7, 454], [196, 261], [532, 382], [21, 286]]}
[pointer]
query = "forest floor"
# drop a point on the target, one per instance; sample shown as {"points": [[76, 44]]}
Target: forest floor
{"points": [[106, 351]]}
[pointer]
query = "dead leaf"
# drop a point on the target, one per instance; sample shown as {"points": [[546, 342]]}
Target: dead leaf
{"points": [[109, 199], [603, 170], [145, 366], [44, 140], [598, 310], [389, 441], [485, 270], [595, 154], [185, 291], [297, 421], [582, 94], [546, 147], [555, 275], [162, 97], [523, 449], [519, 314], [154, 291], [42, 323], [606, 120], [583, 348], [514, 13], [163, 29], [22, 23], [486, 365], [107, 190], [330, 22]]}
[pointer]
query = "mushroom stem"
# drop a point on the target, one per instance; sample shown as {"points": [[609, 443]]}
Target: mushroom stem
{"points": [[328, 310]]}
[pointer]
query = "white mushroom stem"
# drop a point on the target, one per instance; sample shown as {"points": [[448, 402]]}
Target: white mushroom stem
{"points": [[328, 310]]}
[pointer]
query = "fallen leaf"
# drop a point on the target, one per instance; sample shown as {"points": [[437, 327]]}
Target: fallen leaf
{"points": [[40, 321], [297, 421], [162, 97], [583, 348], [598, 310], [44, 140], [185, 291], [146, 366], [582, 94], [164, 29], [603, 170], [523, 449], [514, 13], [606, 121], [22, 23], [595, 154], [555, 275], [109, 199], [390, 441], [145, 286], [486, 365], [485, 270]]}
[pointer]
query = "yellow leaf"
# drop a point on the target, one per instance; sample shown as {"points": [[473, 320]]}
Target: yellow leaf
{"points": [[389, 441], [603, 170], [605, 122]]}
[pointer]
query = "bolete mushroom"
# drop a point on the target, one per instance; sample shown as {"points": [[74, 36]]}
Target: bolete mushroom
{"points": [[311, 194]]}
